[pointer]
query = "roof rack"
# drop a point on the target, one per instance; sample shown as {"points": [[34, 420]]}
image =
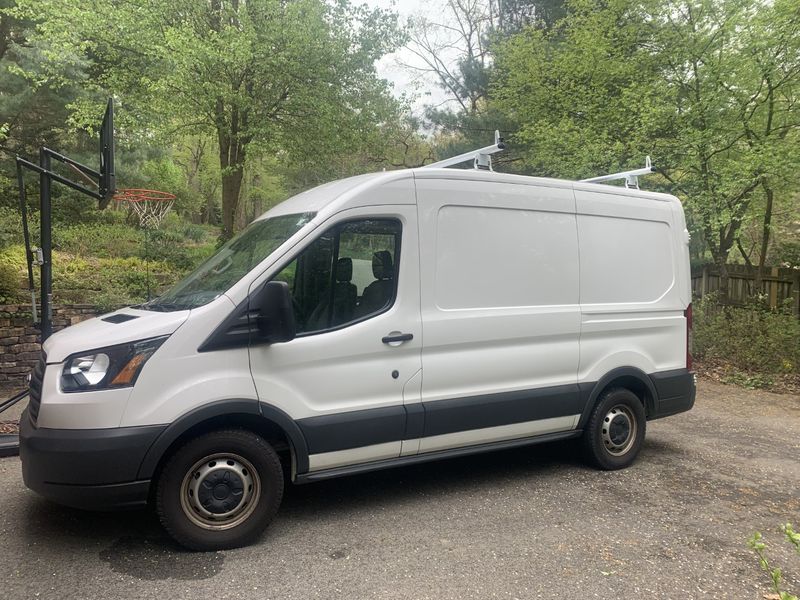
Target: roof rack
{"points": [[631, 177], [482, 157]]}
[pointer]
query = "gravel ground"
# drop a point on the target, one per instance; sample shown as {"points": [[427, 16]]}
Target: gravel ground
{"points": [[528, 523]]}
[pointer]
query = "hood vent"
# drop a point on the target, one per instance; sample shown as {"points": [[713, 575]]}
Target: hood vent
{"points": [[119, 318]]}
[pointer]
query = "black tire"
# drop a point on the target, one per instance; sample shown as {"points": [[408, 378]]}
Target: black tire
{"points": [[615, 431], [231, 470]]}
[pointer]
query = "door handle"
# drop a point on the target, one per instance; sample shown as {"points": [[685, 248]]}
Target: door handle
{"points": [[396, 338]]}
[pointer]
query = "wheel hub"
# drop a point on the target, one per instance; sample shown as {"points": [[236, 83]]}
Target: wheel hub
{"points": [[220, 491], [619, 430]]}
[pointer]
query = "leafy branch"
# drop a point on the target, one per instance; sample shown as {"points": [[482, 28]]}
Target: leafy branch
{"points": [[776, 575]]}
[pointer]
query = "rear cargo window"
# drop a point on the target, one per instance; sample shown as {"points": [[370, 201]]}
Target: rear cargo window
{"points": [[624, 260], [496, 258]]}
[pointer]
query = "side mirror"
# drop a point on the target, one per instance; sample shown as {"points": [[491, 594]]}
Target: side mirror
{"points": [[275, 313]]}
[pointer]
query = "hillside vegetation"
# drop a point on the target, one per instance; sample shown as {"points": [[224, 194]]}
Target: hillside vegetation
{"points": [[107, 262]]}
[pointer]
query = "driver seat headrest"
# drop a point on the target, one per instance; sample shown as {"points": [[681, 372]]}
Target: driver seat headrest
{"points": [[344, 270]]}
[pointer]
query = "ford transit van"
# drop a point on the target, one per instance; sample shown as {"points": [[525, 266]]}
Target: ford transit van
{"points": [[373, 322]]}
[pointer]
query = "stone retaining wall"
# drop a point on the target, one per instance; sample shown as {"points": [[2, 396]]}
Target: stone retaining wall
{"points": [[19, 347]]}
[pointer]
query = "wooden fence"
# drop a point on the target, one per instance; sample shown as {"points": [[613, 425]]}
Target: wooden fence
{"points": [[779, 285]]}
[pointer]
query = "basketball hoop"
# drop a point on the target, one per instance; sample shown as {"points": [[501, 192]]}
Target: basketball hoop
{"points": [[151, 206]]}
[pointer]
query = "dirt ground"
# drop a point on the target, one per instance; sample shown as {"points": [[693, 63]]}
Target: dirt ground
{"points": [[527, 523]]}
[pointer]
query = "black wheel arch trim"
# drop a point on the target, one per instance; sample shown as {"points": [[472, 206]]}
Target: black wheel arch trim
{"points": [[591, 391], [292, 431], [177, 428]]}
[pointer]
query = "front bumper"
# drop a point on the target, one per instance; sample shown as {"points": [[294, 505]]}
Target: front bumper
{"points": [[86, 468]]}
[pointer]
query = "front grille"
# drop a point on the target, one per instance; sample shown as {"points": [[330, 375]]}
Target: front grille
{"points": [[35, 390]]}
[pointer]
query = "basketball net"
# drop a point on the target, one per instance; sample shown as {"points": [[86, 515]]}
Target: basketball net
{"points": [[150, 206]]}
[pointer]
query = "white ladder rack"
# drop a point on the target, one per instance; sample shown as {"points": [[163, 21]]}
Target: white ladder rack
{"points": [[631, 177], [482, 159]]}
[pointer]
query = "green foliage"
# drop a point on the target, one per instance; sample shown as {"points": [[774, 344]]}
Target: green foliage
{"points": [[261, 77], [709, 88], [753, 339], [788, 253], [749, 381], [111, 281], [110, 263], [167, 247], [104, 240], [758, 546], [9, 283], [10, 227], [586, 96]]}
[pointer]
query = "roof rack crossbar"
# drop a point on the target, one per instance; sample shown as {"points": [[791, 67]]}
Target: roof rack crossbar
{"points": [[482, 157], [631, 177]]}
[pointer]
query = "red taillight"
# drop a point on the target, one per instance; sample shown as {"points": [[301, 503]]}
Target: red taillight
{"points": [[688, 314]]}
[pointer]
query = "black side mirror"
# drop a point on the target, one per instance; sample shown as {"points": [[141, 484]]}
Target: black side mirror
{"points": [[275, 313]]}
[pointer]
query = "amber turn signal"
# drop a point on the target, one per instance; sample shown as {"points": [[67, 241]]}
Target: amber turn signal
{"points": [[129, 371]]}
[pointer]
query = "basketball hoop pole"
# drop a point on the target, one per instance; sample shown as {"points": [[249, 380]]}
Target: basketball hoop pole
{"points": [[105, 184]]}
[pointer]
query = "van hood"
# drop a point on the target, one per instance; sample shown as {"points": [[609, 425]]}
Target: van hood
{"points": [[121, 326]]}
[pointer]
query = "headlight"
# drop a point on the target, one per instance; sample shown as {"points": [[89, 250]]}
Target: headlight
{"points": [[104, 368]]}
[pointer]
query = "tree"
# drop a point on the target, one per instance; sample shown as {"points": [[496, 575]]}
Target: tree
{"points": [[737, 81], [456, 52], [264, 74], [33, 109], [515, 15], [707, 87]]}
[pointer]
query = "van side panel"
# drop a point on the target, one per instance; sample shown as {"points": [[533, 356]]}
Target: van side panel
{"points": [[630, 293], [500, 313]]}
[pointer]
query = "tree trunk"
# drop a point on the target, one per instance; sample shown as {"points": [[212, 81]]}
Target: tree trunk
{"points": [[724, 278], [762, 258], [231, 186], [210, 212], [232, 150]]}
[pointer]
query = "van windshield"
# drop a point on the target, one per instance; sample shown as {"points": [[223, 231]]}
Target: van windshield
{"points": [[232, 262]]}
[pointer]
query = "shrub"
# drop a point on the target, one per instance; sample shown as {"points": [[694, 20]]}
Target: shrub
{"points": [[752, 339], [13, 274], [10, 226], [195, 233], [165, 246], [9, 283], [109, 281], [107, 262], [98, 239]]}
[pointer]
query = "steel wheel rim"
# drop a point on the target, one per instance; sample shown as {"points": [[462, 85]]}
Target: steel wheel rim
{"points": [[619, 430], [220, 491]]}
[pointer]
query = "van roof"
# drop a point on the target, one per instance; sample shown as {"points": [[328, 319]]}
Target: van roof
{"points": [[335, 195]]}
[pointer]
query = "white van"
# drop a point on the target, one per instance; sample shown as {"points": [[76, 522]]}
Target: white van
{"points": [[373, 322]]}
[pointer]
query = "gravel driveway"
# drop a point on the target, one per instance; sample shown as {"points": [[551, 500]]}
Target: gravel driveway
{"points": [[527, 523]]}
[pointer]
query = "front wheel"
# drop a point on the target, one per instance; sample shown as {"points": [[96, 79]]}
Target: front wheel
{"points": [[220, 490], [615, 431]]}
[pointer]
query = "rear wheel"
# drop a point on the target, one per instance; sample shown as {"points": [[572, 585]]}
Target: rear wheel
{"points": [[220, 490], [615, 431]]}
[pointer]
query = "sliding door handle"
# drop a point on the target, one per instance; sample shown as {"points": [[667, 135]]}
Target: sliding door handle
{"points": [[397, 338]]}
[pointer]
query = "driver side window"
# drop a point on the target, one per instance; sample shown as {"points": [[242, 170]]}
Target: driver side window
{"points": [[347, 274]]}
